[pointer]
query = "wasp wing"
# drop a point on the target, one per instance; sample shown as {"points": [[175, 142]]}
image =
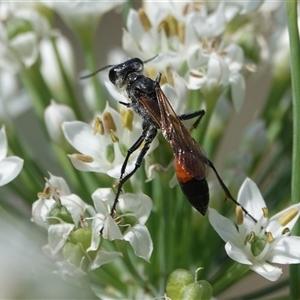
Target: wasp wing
{"points": [[190, 160]]}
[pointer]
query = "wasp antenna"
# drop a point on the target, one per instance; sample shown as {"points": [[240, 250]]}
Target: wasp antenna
{"points": [[152, 58], [97, 71]]}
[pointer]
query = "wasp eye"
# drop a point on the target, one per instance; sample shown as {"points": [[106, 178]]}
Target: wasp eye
{"points": [[113, 76]]}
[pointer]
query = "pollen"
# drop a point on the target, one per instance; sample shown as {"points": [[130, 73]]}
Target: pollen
{"points": [[109, 123], [98, 126], [127, 118], [113, 137], [285, 230], [83, 158], [265, 212], [270, 237], [288, 216], [239, 215], [170, 26], [251, 237], [144, 20]]}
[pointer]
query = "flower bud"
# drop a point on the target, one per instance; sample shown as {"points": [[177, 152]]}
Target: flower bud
{"points": [[59, 213], [74, 254], [198, 291], [177, 281], [55, 114], [82, 236]]}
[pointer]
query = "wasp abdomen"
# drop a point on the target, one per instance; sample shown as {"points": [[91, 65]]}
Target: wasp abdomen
{"points": [[197, 192]]}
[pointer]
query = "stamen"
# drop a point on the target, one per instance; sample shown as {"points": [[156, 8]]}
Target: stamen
{"points": [[265, 212], [144, 20], [98, 126], [239, 215], [109, 122], [288, 216], [285, 230], [181, 32], [169, 25], [82, 157], [270, 237], [251, 237], [197, 75], [127, 118], [113, 137]]}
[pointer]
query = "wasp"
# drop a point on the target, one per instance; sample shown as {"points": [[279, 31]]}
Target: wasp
{"points": [[149, 101]]}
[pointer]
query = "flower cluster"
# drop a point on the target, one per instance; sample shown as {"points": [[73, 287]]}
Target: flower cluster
{"points": [[204, 51], [76, 230]]}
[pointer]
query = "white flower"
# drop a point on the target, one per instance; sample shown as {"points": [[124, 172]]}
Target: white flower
{"points": [[132, 213], [11, 166], [19, 39], [57, 205], [259, 244], [104, 147], [54, 115], [83, 14]]}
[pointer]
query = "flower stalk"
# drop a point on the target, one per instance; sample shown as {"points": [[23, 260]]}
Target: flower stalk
{"points": [[295, 71]]}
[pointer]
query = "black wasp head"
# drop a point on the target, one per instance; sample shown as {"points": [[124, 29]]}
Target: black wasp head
{"points": [[118, 74]]}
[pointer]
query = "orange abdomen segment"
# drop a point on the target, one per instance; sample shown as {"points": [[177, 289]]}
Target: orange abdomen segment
{"points": [[194, 188]]}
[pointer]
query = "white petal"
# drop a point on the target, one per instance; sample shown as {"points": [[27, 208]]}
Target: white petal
{"points": [[266, 270], [57, 235], [250, 197], [139, 238], [223, 226], [25, 45], [40, 211], [103, 199], [285, 251], [139, 204], [60, 183], [276, 228], [75, 206], [3, 143], [10, 167], [81, 136], [104, 257], [237, 254], [111, 230]]}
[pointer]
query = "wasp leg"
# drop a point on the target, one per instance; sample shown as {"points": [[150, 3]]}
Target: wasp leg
{"points": [[148, 135], [227, 193], [188, 116]]}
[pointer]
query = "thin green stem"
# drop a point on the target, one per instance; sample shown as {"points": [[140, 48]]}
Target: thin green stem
{"points": [[295, 70]]}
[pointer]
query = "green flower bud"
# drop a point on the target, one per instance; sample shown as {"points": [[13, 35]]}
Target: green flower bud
{"points": [[201, 290], [82, 236], [59, 213], [177, 282], [75, 255]]}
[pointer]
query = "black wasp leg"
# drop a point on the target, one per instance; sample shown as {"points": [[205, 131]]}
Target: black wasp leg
{"points": [[225, 189], [188, 116], [148, 135]]}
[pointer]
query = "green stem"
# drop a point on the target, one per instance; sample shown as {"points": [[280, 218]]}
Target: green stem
{"points": [[295, 70], [232, 275]]}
